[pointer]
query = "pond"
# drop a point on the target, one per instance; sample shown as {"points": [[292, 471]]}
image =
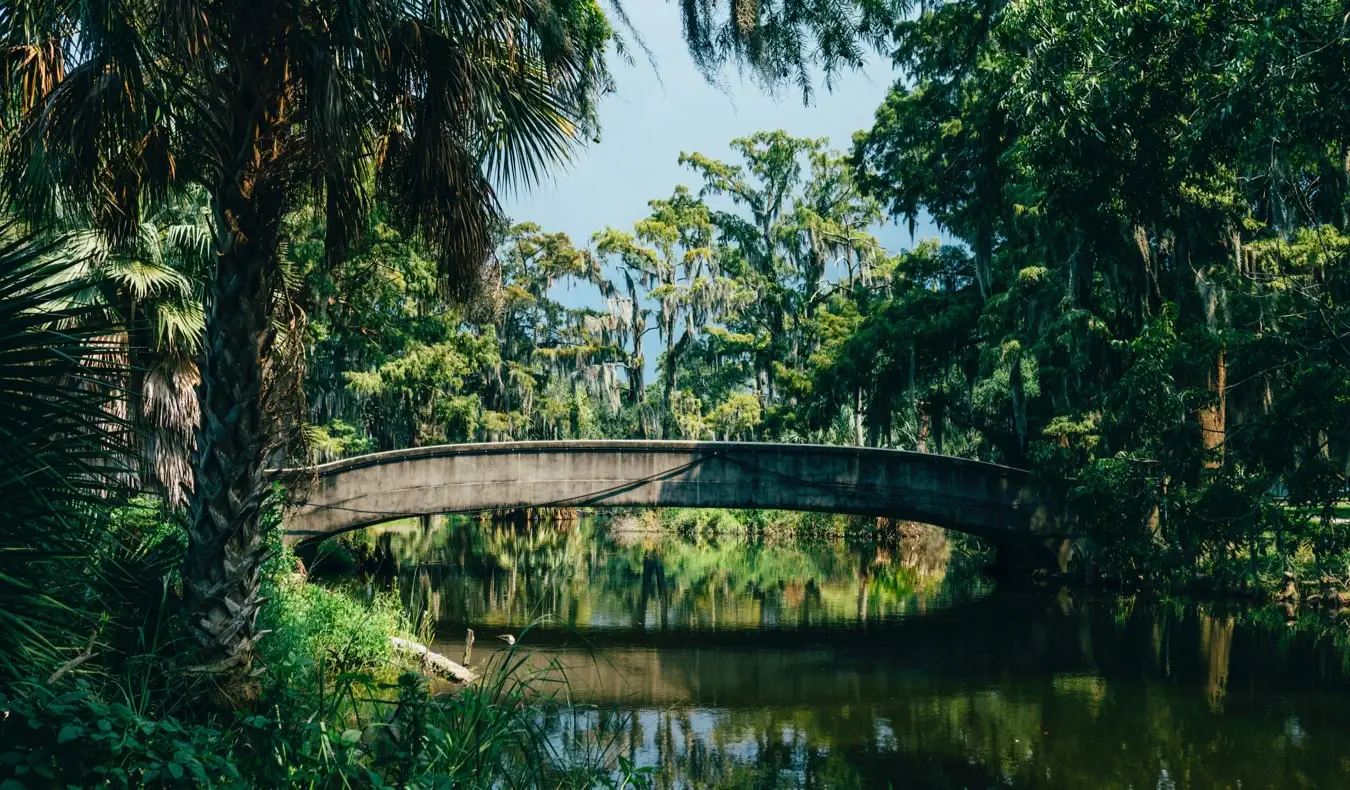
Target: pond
{"points": [[779, 662]]}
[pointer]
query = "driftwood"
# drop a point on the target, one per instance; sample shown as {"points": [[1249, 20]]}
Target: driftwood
{"points": [[433, 661], [71, 664]]}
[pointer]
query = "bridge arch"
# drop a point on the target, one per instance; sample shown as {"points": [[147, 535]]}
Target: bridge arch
{"points": [[995, 502]]}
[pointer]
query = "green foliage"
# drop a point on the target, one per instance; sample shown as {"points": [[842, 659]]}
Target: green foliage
{"points": [[737, 417], [150, 285], [335, 711], [1126, 313], [742, 302], [431, 108], [62, 449], [1141, 302], [479, 738], [55, 739], [396, 364], [711, 523], [310, 624], [337, 439]]}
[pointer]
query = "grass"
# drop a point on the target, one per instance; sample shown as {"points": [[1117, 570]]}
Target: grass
{"points": [[349, 730], [1340, 512]]}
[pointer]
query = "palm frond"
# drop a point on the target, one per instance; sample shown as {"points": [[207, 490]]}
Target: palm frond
{"points": [[190, 241], [99, 140], [59, 446], [178, 327], [144, 279]]}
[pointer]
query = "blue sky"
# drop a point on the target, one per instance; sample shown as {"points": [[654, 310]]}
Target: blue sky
{"points": [[658, 112]]}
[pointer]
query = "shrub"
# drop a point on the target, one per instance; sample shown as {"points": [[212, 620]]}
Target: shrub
{"points": [[74, 739], [310, 625], [334, 714], [335, 734]]}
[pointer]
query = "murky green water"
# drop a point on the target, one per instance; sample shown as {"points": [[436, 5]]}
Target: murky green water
{"points": [[781, 664]]}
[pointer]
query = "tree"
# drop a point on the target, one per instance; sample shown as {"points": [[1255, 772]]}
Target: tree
{"points": [[117, 104], [671, 256], [569, 352], [736, 418], [263, 106], [781, 40], [1153, 197], [148, 284], [804, 215]]}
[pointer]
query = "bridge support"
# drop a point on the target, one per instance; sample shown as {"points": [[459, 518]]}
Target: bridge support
{"points": [[1019, 558]]}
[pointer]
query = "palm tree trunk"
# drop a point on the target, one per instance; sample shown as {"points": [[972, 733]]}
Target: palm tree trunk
{"points": [[137, 345], [225, 541]]}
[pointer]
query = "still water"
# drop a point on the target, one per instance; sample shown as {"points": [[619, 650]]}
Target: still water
{"points": [[831, 663]]}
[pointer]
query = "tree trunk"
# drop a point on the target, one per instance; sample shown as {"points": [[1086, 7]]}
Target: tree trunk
{"points": [[984, 253], [1216, 646], [1213, 418], [1019, 404], [859, 437], [225, 541], [138, 344], [922, 422], [1345, 188]]}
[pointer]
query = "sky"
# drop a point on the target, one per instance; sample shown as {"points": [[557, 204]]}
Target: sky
{"points": [[657, 112]]}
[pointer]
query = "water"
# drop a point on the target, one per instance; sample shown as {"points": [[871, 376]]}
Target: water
{"points": [[830, 664]]}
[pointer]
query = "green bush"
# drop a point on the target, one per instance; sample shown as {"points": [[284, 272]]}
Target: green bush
{"points": [[310, 625], [333, 558], [334, 734], [74, 739]]}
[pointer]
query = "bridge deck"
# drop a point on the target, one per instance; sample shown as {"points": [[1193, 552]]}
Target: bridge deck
{"points": [[957, 493]]}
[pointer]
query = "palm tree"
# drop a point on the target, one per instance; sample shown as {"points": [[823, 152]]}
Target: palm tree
{"points": [[265, 105], [150, 285]]}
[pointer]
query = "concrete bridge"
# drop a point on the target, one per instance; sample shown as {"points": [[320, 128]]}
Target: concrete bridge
{"points": [[997, 503]]}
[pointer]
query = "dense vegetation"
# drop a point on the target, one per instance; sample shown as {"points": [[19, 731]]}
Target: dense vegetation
{"points": [[240, 234], [1141, 299]]}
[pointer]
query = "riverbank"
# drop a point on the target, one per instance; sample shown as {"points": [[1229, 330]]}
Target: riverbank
{"points": [[333, 705]]}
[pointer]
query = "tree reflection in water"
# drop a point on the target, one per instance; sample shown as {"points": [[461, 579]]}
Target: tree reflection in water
{"points": [[767, 663], [588, 575]]}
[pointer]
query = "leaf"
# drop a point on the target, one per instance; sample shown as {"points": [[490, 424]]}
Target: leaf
{"points": [[351, 736], [69, 733]]}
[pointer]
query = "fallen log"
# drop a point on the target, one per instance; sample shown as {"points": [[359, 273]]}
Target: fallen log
{"points": [[433, 661]]}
